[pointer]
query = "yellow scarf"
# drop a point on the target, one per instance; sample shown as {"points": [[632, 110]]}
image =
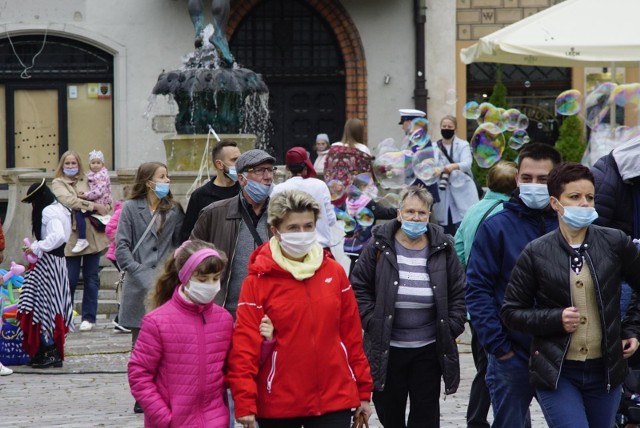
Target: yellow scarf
{"points": [[300, 270]]}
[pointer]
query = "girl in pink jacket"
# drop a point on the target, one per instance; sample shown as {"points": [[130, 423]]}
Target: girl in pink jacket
{"points": [[176, 367]]}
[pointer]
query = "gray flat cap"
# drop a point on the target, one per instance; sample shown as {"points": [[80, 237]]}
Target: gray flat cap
{"points": [[251, 158]]}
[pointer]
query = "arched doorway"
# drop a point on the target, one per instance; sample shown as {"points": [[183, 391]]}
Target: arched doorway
{"points": [[55, 94], [302, 61]]}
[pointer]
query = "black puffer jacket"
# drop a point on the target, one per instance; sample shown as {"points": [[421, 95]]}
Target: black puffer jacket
{"points": [[375, 282], [539, 291], [613, 196]]}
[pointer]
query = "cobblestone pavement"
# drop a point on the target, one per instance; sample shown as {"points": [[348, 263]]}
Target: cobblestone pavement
{"points": [[91, 389]]}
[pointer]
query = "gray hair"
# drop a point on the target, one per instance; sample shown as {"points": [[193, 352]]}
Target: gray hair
{"points": [[291, 201], [417, 192]]}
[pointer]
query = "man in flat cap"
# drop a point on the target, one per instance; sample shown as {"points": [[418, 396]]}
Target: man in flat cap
{"points": [[238, 225]]}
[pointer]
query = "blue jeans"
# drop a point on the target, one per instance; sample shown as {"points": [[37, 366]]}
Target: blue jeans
{"points": [[511, 394], [90, 266], [581, 399]]}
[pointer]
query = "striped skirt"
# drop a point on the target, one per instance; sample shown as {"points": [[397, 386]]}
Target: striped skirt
{"points": [[45, 303]]}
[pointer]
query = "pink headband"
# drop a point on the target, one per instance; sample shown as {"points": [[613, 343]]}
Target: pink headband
{"points": [[193, 262], [184, 244]]}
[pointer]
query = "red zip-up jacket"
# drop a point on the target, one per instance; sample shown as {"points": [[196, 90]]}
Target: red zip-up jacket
{"points": [[317, 365]]}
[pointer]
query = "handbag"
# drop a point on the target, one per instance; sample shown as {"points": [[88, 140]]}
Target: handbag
{"points": [[11, 351], [99, 222], [120, 282], [360, 422]]}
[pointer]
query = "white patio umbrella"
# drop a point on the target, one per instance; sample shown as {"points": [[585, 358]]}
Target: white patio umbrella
{"points": [[574, 33]]}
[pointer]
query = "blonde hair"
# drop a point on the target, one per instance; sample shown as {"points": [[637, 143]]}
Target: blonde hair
{"points": [[452, 119], [291, 201], [417, 192], [502, 177], [168, 279], [59, 172]]}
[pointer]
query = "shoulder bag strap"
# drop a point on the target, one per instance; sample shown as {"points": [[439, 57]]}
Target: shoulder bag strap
{"points": [[146, 231], [249, 222], [444, 150]]}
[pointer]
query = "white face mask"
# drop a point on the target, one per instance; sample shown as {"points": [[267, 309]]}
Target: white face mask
{"points": [[203, 292], [297, 244]]}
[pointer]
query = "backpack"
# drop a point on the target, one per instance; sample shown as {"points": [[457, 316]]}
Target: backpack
{"points": [[345, 163]]}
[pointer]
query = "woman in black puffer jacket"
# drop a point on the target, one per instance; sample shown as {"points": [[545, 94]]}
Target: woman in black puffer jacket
{"points": [[565, 292]]}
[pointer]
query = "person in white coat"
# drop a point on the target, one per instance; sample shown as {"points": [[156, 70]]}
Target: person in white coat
{"points": [[456, 186]]}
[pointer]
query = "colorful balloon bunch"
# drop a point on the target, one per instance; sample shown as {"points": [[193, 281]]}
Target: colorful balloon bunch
{"points": [[10, 292]]}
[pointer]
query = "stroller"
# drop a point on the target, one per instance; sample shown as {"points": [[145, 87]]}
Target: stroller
{"points": [[629, 409]]}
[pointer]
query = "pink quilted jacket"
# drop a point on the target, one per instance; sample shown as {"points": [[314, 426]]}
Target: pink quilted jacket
{"points": [[110, 230], [176, 368]]}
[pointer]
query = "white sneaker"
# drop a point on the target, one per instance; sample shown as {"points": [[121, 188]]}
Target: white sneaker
{"points": [[81, 244], [5, 371], [86, 326]]}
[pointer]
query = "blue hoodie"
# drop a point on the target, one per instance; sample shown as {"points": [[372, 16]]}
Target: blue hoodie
{"points": [[498, 243]]}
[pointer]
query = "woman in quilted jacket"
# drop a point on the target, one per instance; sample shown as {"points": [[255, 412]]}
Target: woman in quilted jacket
{"points": [[176, 367]]}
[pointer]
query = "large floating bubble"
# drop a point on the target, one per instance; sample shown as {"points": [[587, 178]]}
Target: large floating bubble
{"points": [[485, 109], [390, 169], [523, 122], [471, 110], [425, 166], [518, 139], [390, 200], [569, 103], [627, 94], [510, 118], [386, 145], [457, 178], [365, 183], [487, 145], [596, 104], [365, 217]]}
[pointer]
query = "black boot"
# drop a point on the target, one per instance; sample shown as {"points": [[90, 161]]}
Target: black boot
{"points": [[51, 359], [38, 358]]}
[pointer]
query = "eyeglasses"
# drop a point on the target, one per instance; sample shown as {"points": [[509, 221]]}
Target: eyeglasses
{"points": [[260, 171]]}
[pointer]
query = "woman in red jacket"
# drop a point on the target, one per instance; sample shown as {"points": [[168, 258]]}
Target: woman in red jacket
{"points": [[317, 372]]}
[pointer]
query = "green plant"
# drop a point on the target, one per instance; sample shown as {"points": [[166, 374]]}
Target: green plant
{"points": [[571, 141]]}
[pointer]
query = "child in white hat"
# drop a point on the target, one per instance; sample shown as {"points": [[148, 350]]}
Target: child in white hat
{"points": [[99, 191]]}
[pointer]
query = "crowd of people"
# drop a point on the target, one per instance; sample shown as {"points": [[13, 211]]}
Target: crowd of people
{"points": [[241, 310]]}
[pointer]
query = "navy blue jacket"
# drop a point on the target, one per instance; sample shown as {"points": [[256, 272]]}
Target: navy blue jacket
{"points": [[497, 245]]}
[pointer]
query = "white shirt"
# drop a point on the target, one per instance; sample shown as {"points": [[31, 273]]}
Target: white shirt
{"points": [[358, 146], [56, 229], [320, 192]]}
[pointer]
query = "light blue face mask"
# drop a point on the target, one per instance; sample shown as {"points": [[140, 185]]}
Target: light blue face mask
{"points": [[231, 173], [414, 229], [535, 196], [258, 192], [578, 217], [161, 189], [70, 172]]}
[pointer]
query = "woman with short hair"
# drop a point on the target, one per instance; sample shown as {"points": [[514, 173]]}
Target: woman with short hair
{"points": [[409, 285], [565, 292], [317, 372]]}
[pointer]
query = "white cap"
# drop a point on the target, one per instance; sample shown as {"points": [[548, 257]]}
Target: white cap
{"points": [[409, 114], [96, 154], [323, 137]]}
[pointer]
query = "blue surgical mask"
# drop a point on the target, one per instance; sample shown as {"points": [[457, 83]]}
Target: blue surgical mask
{"points": [[535, 196], [231, 173], [258, 192], [161, 189], [414, 229], [578, 217], [70, 172]]}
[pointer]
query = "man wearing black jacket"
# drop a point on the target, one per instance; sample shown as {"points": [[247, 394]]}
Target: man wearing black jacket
{"points": [[223, 186]]}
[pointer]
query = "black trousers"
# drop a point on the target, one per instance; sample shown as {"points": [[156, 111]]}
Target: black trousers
{"points": [[479, 398], [413, 372], [340, 419]]}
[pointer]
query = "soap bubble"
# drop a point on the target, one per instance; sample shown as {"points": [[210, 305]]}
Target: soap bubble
{"points": [[390, 200], [527, 84], [487, 145], [425, 167], [366, 185], [568, 103], [348, 221], [523, 122], [486, 109], [510, 119], [451, 97], [390, 169], [596, 104], [457, 178], [471, 110], [336, 189], [626, 94], [386, 145], [518, 139], [365, 217]]}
